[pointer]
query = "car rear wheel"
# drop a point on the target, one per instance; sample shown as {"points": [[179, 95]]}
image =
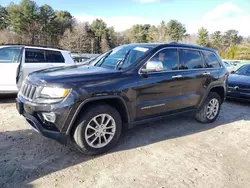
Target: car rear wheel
{"points": [[98, 130], [210, 109]]}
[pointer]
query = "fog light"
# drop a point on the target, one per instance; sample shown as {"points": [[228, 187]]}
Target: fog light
{"points": [[49, 117]]}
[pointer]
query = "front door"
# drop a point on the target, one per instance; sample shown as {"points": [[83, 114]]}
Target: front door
{"points": [[159, 92]]}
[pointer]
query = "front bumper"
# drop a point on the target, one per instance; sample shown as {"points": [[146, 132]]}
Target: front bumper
{"points": [[32, 113]]}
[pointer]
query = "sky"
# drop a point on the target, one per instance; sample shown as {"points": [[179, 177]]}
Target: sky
{"points": [[122, 14]]}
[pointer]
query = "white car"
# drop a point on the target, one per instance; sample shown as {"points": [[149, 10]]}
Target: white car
{"points": [[17, 61], [229, 66]]}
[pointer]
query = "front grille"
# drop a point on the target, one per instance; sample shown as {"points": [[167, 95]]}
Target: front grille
{"points": [[28, 91]]}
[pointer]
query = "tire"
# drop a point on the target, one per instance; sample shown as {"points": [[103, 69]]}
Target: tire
{"points": [[202, 115], [84, 129]]}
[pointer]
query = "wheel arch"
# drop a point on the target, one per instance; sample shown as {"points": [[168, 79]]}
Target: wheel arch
{"points": [[115, 101], [219, 89]]}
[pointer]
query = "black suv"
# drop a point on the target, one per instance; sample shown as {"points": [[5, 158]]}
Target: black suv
{"points": [[90, 105]]}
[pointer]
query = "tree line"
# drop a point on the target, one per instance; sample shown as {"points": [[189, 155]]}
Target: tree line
{"points": [[28, 23]]}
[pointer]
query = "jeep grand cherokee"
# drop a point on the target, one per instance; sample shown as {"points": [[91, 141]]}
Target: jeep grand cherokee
{"points": [[90, 106]]}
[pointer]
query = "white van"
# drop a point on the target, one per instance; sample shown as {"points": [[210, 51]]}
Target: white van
{"points": [[17, 61]]}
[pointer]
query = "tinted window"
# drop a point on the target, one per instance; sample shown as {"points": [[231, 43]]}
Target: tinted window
{"points": [[211, 60], [168, 57], [34, 56], [9, 54], [54, 57], [190, 59], [244, 70]]}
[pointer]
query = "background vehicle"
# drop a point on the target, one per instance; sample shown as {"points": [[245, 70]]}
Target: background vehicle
{"points": [[131, 84], [28, 59], [239, 84], [229, 66]]}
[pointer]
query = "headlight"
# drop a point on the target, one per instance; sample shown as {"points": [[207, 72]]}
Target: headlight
{"points": [[54, 92]]}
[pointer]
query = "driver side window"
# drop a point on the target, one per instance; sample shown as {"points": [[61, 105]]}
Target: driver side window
{"points": [[168, 58]]}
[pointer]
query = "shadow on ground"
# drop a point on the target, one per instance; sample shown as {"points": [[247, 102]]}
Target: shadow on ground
{"points": [[26, 156], [7, 98]]}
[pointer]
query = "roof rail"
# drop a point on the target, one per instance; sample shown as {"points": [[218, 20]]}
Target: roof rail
{"points": [[42, 46]]}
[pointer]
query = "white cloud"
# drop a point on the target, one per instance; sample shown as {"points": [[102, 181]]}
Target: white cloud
{"points": [[120, 23], [221, 18], [148, 1]]}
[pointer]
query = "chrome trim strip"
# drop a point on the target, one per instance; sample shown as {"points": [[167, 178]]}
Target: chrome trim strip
{"points": [[153, 106]]}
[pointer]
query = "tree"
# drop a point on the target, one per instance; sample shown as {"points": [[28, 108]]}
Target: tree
{"points": [[243, 52], [216, 40], [47, 23], [203, 38], [112, 37], [175, 30], [231, 38], [99, 28], [3, 18], [105, 43], [78, 40], [24, 20], [152, 34], [162, 32], [138, 33]]}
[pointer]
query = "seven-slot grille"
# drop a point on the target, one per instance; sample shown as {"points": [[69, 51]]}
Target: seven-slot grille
{"points": [[28, 91]]}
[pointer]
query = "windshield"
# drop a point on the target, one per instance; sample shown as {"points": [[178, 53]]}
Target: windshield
{"points": [[121, 57], [244, 70]]}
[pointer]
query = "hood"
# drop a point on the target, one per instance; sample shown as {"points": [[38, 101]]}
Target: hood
{"points": [[72, 74], [239, 79]]}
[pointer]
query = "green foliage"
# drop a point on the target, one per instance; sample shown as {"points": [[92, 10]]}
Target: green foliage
{"points": [[3, 18], [26, 22], [203, 37], [175, 30], [216, 40], [243, 52], [231, 38], [229, 53]]}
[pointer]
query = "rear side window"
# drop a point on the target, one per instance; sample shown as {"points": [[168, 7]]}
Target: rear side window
{"points": [[211, 60], [54, 57], [9, 54], [34, 56], [190, 59]]}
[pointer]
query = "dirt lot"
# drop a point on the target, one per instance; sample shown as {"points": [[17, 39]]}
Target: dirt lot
{"points": [[175, 152]]}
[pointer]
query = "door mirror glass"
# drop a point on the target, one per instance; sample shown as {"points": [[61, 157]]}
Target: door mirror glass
{"points": [[153, 66]]}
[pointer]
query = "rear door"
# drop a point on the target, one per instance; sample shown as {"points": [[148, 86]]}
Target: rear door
{"points": [[54, 58], [38, 59], [8, 67], [193, 77]]}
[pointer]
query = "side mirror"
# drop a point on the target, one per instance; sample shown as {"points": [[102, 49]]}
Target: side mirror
{"points": [[232, 72], [153, 66]]}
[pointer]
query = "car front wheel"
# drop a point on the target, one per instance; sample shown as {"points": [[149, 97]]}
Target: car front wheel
{"points": [[98, 130]]}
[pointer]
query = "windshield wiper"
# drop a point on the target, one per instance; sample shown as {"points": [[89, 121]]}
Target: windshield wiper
{"points": [[103, 59], [122, 60]]}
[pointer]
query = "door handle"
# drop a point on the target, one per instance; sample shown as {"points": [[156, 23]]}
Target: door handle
{"points": [[206, 73], [177, 76]]}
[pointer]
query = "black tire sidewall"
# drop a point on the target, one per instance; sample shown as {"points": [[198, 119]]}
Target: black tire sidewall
{"points": [[210, 97], [83, 146]]}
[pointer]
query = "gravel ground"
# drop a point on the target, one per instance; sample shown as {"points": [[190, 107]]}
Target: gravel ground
{"points": [[175, 152]]}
